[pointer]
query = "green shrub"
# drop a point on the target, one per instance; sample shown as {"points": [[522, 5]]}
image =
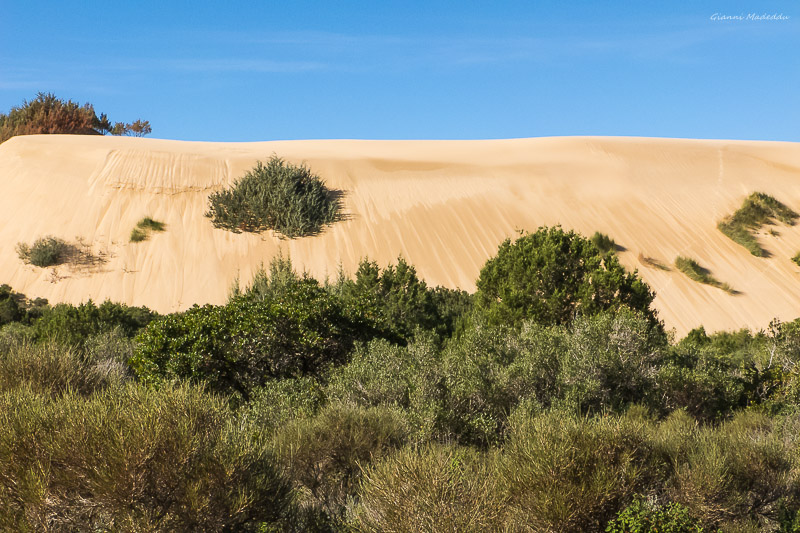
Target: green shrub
{"points": [[643, 516], [73, 325], [734, 473], [53, 369], [238, 347], [436, 488], [133, 459], [610, 361], [45, 252], [401, 377], [757, 209], [559, 472], [282, 400], [280, 196], [691, 268], [324, 455], [551, 276], [796, 258]]}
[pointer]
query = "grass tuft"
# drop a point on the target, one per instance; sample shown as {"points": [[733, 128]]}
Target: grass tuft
{"points": [[144, 228], [692, 268], [604, 243], [757, 210], [796, 258], [653, 262]]}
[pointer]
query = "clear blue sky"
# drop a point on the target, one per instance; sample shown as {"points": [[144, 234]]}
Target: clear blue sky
{"points": [[297, 69]]}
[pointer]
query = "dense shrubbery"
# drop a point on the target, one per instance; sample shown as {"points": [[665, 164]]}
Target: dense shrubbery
{"points": [[133, 459], [279, 196], [382, 404], [48, 114], [551, 276], [239, 346]]}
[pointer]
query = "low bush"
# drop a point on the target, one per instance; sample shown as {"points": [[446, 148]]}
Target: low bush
{"points": [[325, 455], [692, 268], [53, 369], [44, 252], [735, 473], [435, 488], [279, 196], [560, 472], [757, 210], [133, 459]]}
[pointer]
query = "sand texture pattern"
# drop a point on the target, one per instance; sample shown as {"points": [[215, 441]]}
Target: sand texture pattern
{"points": [[443, 205]]}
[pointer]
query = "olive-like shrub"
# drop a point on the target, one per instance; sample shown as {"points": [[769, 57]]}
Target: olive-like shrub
{"points": [[44, 252], [287, 198]]}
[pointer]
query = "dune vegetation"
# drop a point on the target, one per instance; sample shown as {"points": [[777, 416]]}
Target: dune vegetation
{"points": [[694, 271], [757, 210], [279, 196], [49, 114], [378, 403], [146, 226]]}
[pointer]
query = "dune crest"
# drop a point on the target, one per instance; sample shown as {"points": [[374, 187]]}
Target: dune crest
{"points": [[444, 205]]}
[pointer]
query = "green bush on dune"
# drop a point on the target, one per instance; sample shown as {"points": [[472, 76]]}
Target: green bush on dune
{"points": [[44, 252], [757, 210], [287, 198]]}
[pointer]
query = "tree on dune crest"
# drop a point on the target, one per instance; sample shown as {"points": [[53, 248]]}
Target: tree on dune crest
{"points": [[48, 114]]}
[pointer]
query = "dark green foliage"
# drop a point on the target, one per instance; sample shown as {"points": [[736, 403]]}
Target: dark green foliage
{"points": [[691, 268], [436, 488], [45, 252], [10, 308], [400, 303], [325, 455], [133, 459], [72, 325], [757, 210], [796, 258], [280, 196], [643, 516], [551, 277], [239, 346]]}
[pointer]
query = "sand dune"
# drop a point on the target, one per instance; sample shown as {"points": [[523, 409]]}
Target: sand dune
{"points": [[444, 205]]}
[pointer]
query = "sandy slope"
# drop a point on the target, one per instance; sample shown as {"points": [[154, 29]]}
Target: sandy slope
{"points": [[443, 205]]}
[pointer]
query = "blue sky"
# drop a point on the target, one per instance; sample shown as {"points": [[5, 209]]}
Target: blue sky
{"points": [[250, 71]]}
